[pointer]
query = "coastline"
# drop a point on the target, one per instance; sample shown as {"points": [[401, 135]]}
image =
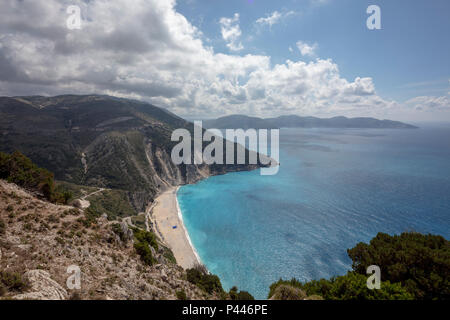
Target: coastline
{"points": [[166, 214]]}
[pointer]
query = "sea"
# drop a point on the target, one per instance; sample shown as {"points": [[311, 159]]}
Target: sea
{"points": [[334, 189]]}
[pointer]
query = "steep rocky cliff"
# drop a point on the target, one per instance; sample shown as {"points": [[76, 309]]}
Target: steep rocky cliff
{"points": [[39, 241], [114, 156], [101, 141]]}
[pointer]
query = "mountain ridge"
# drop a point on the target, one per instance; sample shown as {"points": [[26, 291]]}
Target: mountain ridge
{"points": [[102, 141], [294, 121]]}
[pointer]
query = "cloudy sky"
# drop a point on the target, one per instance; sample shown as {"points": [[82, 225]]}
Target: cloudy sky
{"points": [[208, 58]]}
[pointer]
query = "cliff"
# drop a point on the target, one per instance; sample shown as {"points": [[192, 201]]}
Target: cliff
{"points": [[100, 141], [40, 240]]}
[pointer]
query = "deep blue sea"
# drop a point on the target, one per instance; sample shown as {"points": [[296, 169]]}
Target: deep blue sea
{"points": [[335, 188]]}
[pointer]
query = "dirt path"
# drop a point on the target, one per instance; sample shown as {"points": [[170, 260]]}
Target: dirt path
{"points": [[85, 203]]}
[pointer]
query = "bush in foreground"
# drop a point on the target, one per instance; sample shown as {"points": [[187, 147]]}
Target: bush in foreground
{"points": [[12, 281], [239, 295], [205, 281], [352, 286], [17, 168], [413, 266], [420, 263], [143, 241]]}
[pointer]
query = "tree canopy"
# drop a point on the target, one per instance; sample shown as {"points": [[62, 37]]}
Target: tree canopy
{"points": [[17, 168], [413, 266]]}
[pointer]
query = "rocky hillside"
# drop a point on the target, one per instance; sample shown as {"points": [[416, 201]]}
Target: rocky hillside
{"points": [[99, 141], [40, 240]]}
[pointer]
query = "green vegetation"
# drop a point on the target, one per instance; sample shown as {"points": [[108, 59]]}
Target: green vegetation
{"points": [[287, 290], [144, 251], [143, 241], [146, 237], [77, 191], [352, 286], [168, 254], [117, 163], [124, 142], [117, 229], [209, 283], [181, 295], [413, 266], [139, 221], [239, 295], [420, 263], [2, 227], [114, 203], [17, 168], [12, 281], [90, 217]]}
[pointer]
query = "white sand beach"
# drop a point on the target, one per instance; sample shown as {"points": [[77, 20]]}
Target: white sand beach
{"points": [[166, 216]]}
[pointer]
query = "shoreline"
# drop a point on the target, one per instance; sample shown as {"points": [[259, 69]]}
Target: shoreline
{"points": [[180, 216], [166, 214]]}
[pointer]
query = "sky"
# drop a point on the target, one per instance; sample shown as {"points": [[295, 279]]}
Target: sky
{"points": [[209, 58]]}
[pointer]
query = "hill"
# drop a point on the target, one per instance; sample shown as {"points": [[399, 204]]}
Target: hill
{"points": [[42, 243], [101, 141], [293, 121], [39, 240]]}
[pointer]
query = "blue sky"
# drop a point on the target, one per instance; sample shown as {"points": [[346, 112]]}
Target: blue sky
{"points": [[407, 58], [210, 58]]}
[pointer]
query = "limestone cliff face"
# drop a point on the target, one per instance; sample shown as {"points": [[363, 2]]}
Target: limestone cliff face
{"points": [[133, 162], [42, 287], [118, 145], [102, 141]]}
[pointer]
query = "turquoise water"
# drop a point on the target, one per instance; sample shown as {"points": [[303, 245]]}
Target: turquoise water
{"points": [[334, 189]]}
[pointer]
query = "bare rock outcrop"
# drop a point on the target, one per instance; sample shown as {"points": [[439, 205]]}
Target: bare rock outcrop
{"points": [[43, 287]]}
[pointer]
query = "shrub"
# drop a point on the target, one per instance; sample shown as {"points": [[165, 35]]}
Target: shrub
{"points": [[28, 226], [90, 217], [67, 196], [242, 295], [413, 266], [147, 237], [143, 241], [117, 229], [116, 204], [168, 254], [181, 295], [75, 296], [205, 281], [287, 292], [12, 281], [143, 250], [17, 168], [352, 286], [2, 227], [73, 212], [420, 263]]}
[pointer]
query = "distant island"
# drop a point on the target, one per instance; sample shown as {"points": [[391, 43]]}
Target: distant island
{"points": [[293, 121]]}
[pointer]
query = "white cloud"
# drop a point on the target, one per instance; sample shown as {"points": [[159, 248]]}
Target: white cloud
{"points": [[231, 32], [429, 103], [149, 51], [306, 49], [274, 18]]}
